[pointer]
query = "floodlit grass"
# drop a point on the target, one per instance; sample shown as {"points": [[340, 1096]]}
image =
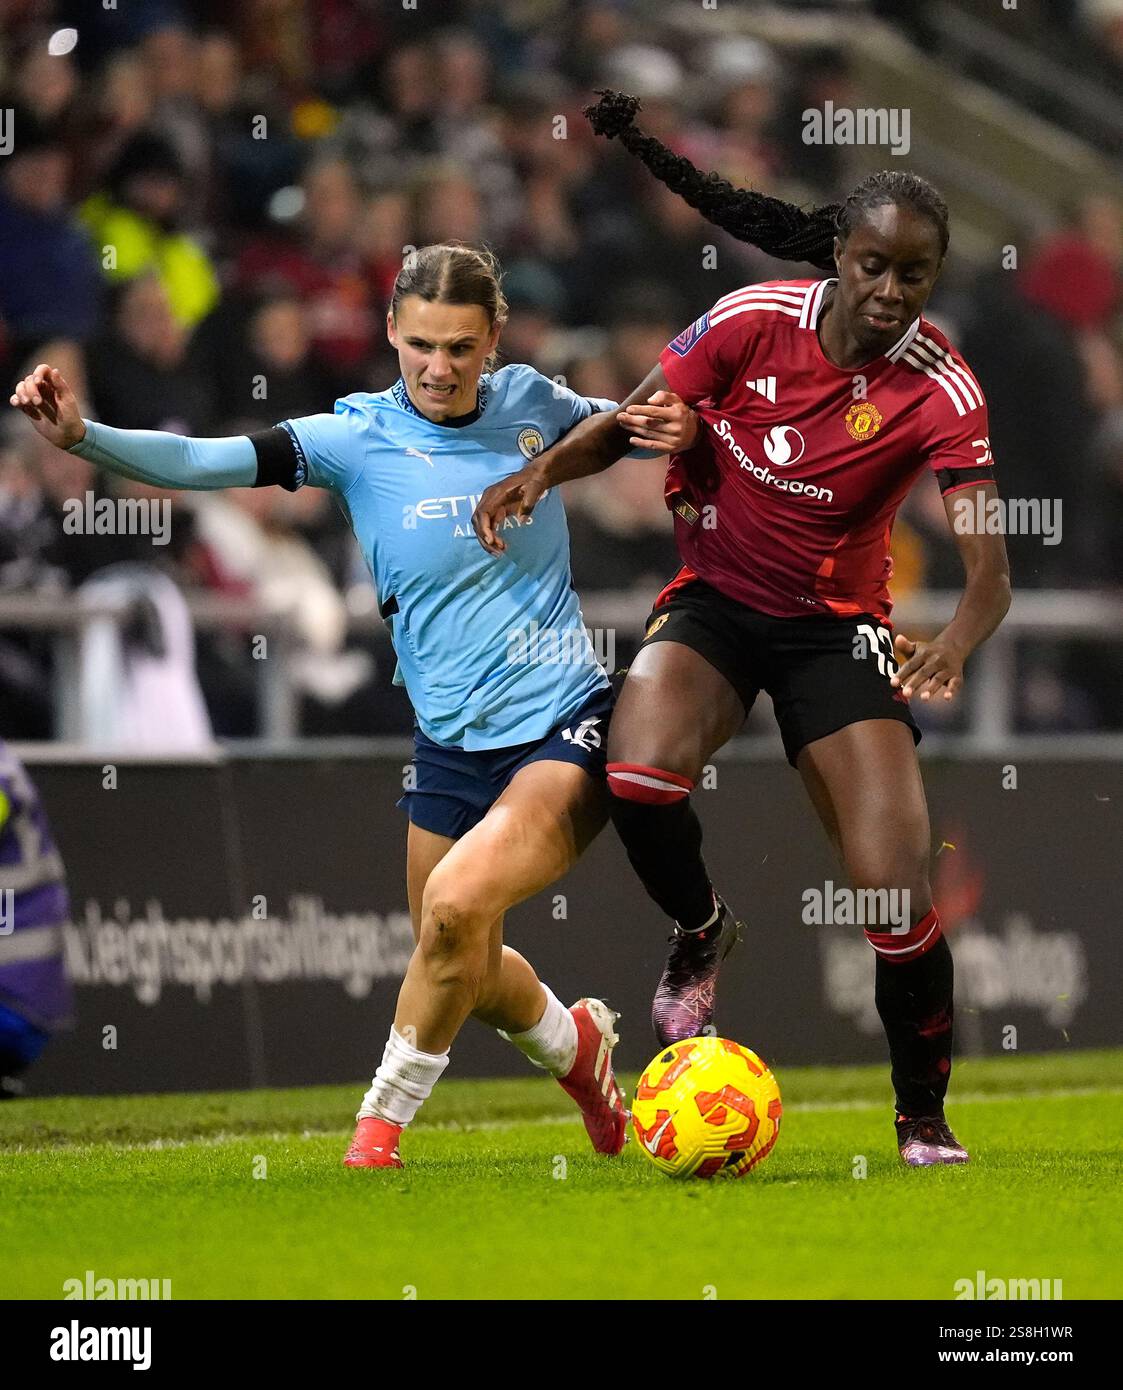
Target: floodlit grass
{"points": [[502, 1198]]}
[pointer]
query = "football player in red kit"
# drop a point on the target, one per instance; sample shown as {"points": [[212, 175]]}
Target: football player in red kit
{"points": [[823, 401]]}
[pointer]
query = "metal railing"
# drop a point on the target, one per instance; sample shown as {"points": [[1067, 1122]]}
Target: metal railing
{"points": [[991, 687], [1039, 75], [70, 624]]}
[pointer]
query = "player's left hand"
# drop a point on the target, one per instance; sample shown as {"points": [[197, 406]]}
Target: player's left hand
{"points": [[665, 424], [927, 668]]}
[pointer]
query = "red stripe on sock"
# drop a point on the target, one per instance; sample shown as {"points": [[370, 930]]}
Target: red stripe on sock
{"points": [[628, 790], [896, 948]]}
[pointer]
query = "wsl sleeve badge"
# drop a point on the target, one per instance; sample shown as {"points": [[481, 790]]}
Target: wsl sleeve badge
{"points": [[530, 442], [681, 345]]}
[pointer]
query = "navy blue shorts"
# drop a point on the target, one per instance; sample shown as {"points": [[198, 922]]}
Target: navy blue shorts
{"points": [[454, 789]]}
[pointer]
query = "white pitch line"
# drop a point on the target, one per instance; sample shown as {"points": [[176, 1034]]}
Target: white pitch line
{"points": [[814, 1107], [967, 1098]]}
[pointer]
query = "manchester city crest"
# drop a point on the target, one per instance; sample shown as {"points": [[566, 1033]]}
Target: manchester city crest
{"points": [[531, 442]]}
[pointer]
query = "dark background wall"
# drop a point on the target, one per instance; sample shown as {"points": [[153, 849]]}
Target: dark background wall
{"points": [[245, 923]]}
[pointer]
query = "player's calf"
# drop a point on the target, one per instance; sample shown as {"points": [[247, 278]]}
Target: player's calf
{"points": [[913, 989], [452, 960], [652, 814], [441, 987], [660, 830]]}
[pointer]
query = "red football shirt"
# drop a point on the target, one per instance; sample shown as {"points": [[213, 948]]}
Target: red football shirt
{"points": [[787, 502]]}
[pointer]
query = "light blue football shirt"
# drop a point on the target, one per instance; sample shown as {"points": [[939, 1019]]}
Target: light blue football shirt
{"points": [[492, 649]]}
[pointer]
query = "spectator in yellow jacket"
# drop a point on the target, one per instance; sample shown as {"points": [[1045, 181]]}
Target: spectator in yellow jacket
{"points": [[134, 223]]}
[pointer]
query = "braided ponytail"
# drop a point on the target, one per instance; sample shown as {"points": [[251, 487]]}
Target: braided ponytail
{"points": [[778, 228]]}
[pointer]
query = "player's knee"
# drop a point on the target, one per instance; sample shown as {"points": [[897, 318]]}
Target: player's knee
{"points": [[453, 946], [459, 898], [455, 914], [897, 881], [450, 925]]}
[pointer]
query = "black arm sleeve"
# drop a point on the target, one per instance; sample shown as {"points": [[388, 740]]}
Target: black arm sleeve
{"points": [[277, 462], [950, 479]]}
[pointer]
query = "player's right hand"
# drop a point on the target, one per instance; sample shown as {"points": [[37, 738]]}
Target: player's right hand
{"points": [[50, 405], [515, 496], [927, 668]]}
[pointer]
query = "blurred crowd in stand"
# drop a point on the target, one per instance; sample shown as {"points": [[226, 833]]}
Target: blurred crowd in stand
{"points": [[258, 171]]}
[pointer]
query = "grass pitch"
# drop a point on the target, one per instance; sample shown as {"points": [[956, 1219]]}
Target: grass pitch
{"points": [[242, 1195]]}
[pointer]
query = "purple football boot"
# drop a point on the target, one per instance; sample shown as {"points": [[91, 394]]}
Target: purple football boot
{"points": [[925, 1140], [683, 1006]]}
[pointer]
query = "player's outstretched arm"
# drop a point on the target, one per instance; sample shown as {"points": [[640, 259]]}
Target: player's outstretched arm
{"points": [[652, 417], [145, 456], [929, 668]]}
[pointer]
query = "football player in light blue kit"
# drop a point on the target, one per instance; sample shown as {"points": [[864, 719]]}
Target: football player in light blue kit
{"points": [[512, 706]]}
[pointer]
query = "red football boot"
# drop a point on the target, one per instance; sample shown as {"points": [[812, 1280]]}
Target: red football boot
{"points": [[591, 1082], [375, 1145]]}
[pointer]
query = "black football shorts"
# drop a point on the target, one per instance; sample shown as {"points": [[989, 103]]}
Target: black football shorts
{"points": [[822, 673]]}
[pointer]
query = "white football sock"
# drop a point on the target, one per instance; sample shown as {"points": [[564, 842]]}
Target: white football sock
{"points": [[403, 1081], [552, 1043]]}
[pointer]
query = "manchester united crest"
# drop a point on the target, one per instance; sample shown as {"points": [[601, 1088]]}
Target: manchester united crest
{"points": [[863, 420]]}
